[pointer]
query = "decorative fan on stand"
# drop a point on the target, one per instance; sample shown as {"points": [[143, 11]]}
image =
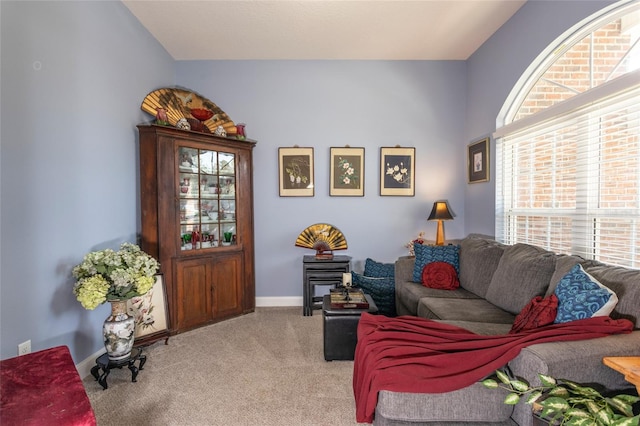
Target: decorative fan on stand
{"points": [[323, 238]]}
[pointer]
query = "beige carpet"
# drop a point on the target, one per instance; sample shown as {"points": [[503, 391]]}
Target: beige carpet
{"points": [[264, 368]]}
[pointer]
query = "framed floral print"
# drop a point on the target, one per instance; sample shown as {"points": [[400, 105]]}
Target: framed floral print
{"points": [[397, 171], [347, 172], [478, 161], [150, 314], [295, 169]]}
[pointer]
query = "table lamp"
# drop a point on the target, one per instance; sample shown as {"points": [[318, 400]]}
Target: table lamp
{"points": [[440, 212]]}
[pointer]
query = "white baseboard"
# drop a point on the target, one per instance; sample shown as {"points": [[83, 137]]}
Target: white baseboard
{"points": [[269, 302], [85, 366]]}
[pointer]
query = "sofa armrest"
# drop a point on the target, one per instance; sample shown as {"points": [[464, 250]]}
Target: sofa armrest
{"points": [[404, 268], [579, 361]]}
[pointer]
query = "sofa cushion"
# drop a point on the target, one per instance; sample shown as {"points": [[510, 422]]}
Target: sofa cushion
{"points": [[427, 254], [479, 258], [475, 403], [625, 283], [579, 360], [582, 296], [440, 275], [564, 263], [408, 294], [381, 290], [378, 269], [524, 272], [463, 310], [538, 313], [483, 328]]}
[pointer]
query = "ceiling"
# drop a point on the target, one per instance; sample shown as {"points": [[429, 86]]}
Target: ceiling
{"points": [[322, 29]]}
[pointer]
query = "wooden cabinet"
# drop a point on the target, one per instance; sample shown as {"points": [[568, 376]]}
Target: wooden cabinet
{"points": [[196, 206]]}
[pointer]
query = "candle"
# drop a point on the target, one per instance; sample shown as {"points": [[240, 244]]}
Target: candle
{"points": [[346, 279]]}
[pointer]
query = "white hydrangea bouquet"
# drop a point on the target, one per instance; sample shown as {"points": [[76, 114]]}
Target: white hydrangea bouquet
{"points": [[109, 275]]}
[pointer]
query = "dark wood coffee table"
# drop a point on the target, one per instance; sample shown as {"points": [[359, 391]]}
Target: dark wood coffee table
{"points": [[339, 329]]}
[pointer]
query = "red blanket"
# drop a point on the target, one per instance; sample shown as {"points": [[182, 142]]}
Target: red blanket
{"points": [[411, 354]]}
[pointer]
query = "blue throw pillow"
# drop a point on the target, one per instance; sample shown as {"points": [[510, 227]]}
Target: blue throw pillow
{"points": [[582, 296], [378, 269], [427, 254], [381, 290]]}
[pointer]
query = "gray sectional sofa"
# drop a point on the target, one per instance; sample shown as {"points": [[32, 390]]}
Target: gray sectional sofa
{"points": [[496, 282]]}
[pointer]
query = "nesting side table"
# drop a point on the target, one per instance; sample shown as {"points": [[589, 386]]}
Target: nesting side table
{"points": [[321, 272]]}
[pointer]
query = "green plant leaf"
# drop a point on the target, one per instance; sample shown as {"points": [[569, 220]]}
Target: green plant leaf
{"points": [[551, 415], [502, 377], [547, 381], [621, 405], [629, 399], [604, 416], [559, 392], [631, 421], [577, 412], [578, 421], [490, 383], [579, 400], [581, 390], [512, 399], [533, 397], [555, 403], [520, 385]]}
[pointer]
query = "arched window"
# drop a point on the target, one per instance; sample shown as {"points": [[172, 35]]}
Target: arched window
{"points": [[568, 154]]}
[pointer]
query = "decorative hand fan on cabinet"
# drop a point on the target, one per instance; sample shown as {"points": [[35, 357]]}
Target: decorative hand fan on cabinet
{"points": [[323, 238], [181, 103]]}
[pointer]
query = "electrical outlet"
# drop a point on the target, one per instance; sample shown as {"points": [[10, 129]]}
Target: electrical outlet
{"points": [[24, 348]]}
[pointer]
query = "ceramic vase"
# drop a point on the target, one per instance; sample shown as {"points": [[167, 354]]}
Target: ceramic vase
{"points": [[118, 331]]}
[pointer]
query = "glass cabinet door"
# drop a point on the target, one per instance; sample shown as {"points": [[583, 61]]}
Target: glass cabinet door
{"points": [[207, 188]]}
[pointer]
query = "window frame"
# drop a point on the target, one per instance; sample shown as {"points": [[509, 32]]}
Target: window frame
{"points": [[585, 233]]}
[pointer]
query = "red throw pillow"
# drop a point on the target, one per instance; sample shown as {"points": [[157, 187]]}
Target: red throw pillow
{"points": [[440, 275], [538, 313]]}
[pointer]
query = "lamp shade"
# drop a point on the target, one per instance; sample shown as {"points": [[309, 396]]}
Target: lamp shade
{"points": [[440, 211]]}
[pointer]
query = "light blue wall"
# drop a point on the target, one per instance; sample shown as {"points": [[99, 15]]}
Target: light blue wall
{"points": [[494, 69], [321, 104], [73, 77]]}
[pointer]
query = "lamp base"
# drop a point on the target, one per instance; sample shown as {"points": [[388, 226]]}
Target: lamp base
{"points": [[440, 234]]}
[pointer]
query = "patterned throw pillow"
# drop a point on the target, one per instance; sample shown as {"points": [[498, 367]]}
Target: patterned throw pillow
{"points": [[440, 275], [427, 254], [381, 290], [378, 269], [538, 313], [582, 296]]}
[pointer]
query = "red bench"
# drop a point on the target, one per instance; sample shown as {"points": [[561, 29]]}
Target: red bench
{"points": [[43, 388]]}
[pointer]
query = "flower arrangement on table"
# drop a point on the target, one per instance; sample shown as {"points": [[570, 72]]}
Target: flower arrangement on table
{"points": [[419, 240], [109, 275]]}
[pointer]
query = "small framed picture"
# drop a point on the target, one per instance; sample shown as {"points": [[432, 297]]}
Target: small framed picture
{"points": [[347, 172], [397, 171], [149, 312], [478, 161], [295, 167]]}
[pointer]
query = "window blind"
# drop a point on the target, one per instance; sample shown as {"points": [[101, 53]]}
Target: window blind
{"points": [[570, 182]]}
